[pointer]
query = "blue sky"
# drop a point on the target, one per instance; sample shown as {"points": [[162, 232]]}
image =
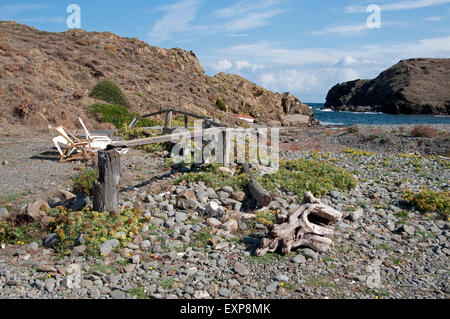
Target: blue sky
{"points": [[300, 46]]}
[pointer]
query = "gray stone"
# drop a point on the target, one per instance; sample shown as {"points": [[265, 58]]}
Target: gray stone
{"points": [[357, 214], [50, 284], [50, 240], [223, 194], [201, 196], [281, 278], [224, 292], [94, 293], [156, 221], [228, 189], [80, 202], [117, 294], [39, 284], [309, 253], [213, 222], [272, 287], [180, 217], [211, 193], [299, 259], [78, 251], [145, 244], [241, 269], [170, 223], [34, 246], [107, 247], [4, 213], [410, 230]]}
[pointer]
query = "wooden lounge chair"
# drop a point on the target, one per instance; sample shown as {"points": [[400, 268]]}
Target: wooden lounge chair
{"points": [[75, 149]]}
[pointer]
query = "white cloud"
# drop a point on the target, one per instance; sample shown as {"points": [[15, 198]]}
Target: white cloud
{"points": [[243, 16], [176, 20], [434, 19], [250, 21], [222, 66], [346, 61], [399, 6], [310, 73], [10, 9], [228, 66], [348, 74], [240, 65], [292, 80], [244, 6], [348, 29]]}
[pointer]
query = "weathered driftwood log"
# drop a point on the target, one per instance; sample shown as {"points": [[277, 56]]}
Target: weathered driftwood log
{"points": [[106, 189], [258, 192], [306, 227]]}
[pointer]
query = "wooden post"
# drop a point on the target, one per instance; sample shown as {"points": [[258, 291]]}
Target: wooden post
{"points": [[106, 189], [186, 122]]}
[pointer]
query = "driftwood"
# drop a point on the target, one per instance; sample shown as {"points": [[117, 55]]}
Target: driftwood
{"points": [[106, 189], [258, 192], [306, 227]]}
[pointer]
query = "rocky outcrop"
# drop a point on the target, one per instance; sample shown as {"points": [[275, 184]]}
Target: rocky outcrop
{"points": [[46, 77], [415, 86]]}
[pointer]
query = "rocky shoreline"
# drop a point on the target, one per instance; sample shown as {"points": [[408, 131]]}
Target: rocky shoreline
{"points": [[173, 258]]}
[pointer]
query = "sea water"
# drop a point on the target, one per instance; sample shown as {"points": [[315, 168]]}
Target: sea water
{"points": [[330, 117]]}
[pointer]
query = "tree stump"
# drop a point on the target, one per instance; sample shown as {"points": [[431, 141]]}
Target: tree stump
{"points": [[106, 188]]}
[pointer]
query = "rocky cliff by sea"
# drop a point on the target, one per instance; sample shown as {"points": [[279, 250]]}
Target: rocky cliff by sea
{"points": [[414, 86]]}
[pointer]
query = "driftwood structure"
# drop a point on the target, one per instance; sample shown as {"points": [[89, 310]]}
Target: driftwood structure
{"points": [[106, 189], [306, 227]]}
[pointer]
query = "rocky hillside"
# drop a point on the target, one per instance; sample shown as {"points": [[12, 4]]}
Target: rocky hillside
{"points": [[46, 77], [415, 86]]}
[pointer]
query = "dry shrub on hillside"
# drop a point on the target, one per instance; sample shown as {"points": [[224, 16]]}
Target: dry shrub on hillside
{"points": [[424, 131]]}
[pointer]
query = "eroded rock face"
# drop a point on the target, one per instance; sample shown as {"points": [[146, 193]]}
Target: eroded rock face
{"points": [[415, 86], [51, 75]]}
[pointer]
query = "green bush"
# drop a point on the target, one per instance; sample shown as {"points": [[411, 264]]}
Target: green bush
{"points": [[428, 201], [83, 182], [221, 105], [118, 115], [109, 92], [317, 177]]}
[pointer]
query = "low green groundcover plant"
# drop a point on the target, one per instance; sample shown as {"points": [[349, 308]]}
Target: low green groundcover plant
{"points": [[13, 234], [300, 176], [215, 178], [83, 182], [96, 228], [428, 201], [109, 92]]}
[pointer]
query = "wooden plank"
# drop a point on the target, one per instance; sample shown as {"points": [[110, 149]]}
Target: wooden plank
{"points": [[160, 139]]}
